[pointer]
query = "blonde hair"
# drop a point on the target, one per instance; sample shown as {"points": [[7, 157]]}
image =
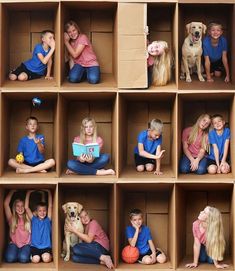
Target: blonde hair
{"points": [[162, 66], [215, 242], [82, 130], [156, 125], [15, 219], [214, 24], [72, 23], [194, 133]]}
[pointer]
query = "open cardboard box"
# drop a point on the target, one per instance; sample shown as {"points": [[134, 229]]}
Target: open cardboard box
{"points": [[206, 13], [135, 112], [73, 108], [156, 201], [98, 21], [22, 24], [15, 109], [190, 200], [190, 107], [99, 201], [35, 197]]}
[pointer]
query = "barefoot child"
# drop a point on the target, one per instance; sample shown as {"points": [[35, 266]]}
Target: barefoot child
{"points": [[32, 147]]}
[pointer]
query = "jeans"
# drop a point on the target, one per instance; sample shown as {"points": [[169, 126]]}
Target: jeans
{"points": [[14, 254], [88, 168], [78, 73], [203, 257], [88, 253], [184, 166]]}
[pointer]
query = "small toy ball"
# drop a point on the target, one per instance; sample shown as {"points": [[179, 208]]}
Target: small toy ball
{"points": [[36, 101], [130, 254], [20, 158]]}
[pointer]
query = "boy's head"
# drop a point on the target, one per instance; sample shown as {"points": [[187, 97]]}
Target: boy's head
{"points": [[155, 129], [218, 122], [215, 30], [136, 217], [47, 36], [41, 210], [31, 124]]}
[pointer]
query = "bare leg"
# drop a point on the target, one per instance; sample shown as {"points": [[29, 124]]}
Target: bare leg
{"points": [[15, 165], [23, 76], [102, 172], [43, 166], [12, 77]]}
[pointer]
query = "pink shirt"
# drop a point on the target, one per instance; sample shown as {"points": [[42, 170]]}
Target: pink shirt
{"points": [[195, 147], [100, 236], [21, 237], [201, 236], [87, 58], [99, 140]]}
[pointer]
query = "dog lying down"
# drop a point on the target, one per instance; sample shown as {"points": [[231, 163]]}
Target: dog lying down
{"points": [[72, 211]]}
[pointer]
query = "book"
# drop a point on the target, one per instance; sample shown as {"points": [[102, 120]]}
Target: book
{"points": [[92, 148]]}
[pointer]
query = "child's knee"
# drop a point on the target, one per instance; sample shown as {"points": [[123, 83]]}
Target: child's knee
{"points": [[147, 260], [161, 258], [212, 169], [51, 162], [140, 168], [218, 73], [11, 162], [225, 170], [46, 257], [23, 76], [12, 77], [36, 259], [149, 167]]}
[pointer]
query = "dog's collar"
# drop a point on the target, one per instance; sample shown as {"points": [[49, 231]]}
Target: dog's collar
{"points": [[191, 43]]}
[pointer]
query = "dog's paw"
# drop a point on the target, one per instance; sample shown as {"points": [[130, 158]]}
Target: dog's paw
{"points": [[188, 79], [182, 77], [201, 79], [66, 259], [62, 255]]}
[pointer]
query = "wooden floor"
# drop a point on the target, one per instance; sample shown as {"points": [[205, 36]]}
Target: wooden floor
{"points": [[28, 266]]}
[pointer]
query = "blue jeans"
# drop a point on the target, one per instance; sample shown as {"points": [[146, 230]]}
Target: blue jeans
{"points": [[88, 253], [14, 254], [184, 166], [203, 257], [78, 73], [88, 168]]}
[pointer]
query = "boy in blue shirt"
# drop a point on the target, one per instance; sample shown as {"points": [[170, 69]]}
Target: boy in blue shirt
{"points": [[148, 151], [215, 53], [40, 229], [32, 147], [40, 63], [139, 236], [219, 139]]}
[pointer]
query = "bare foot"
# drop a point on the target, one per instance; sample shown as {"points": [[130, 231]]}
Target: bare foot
{"points": [[102, 172], [68, 172], [43, 171], [106, 259], [20, 170]]}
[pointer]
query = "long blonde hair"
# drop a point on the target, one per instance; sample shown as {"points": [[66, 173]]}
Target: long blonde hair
{"points": [[194, 133], [215, 242], [82, 130], [162, 66], [15, 219], [72, 23]]}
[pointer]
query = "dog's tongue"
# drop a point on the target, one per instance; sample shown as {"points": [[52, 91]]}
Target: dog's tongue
{"points": [[195, 38]]}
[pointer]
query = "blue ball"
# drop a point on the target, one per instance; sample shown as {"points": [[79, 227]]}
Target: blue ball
{"points": [[36, 101]]}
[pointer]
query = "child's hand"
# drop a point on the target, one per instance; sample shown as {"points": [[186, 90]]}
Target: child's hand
{"points": [[160, 154], [66, 37], [136, 226], [82, 158], [191, 265], [158, 172], [52, 44], [153, 257], [227, 79], [48, 77], [89, 158], [37, 140], [194, 164], [221, 266], [70, 227]]}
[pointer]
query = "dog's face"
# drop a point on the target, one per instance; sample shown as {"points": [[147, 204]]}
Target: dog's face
{"points": [[196, 29], [72, 209]]}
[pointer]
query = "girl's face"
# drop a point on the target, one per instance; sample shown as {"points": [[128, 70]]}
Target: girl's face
{"points": [[156, 49], [216, 31], [204, 123], [85, 218], [20, 208], [89, 128], [204, 214], [72, 32]]}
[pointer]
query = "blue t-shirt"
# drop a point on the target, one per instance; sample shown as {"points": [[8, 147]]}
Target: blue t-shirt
{"points": [[30, 149], [219, 140], [150, 146], [34, 64], [142, 240], [214, 53], [41, 232]]}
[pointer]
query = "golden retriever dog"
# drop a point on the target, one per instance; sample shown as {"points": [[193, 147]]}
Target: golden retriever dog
{"points": [[72, 211], [192, 51]]}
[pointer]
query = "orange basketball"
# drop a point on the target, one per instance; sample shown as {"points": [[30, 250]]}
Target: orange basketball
{"points": [[130, 254]]}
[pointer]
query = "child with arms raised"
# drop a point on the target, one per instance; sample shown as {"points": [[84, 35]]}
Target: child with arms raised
{"points": [[41, 229], [40, 63], [32, 147]]}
